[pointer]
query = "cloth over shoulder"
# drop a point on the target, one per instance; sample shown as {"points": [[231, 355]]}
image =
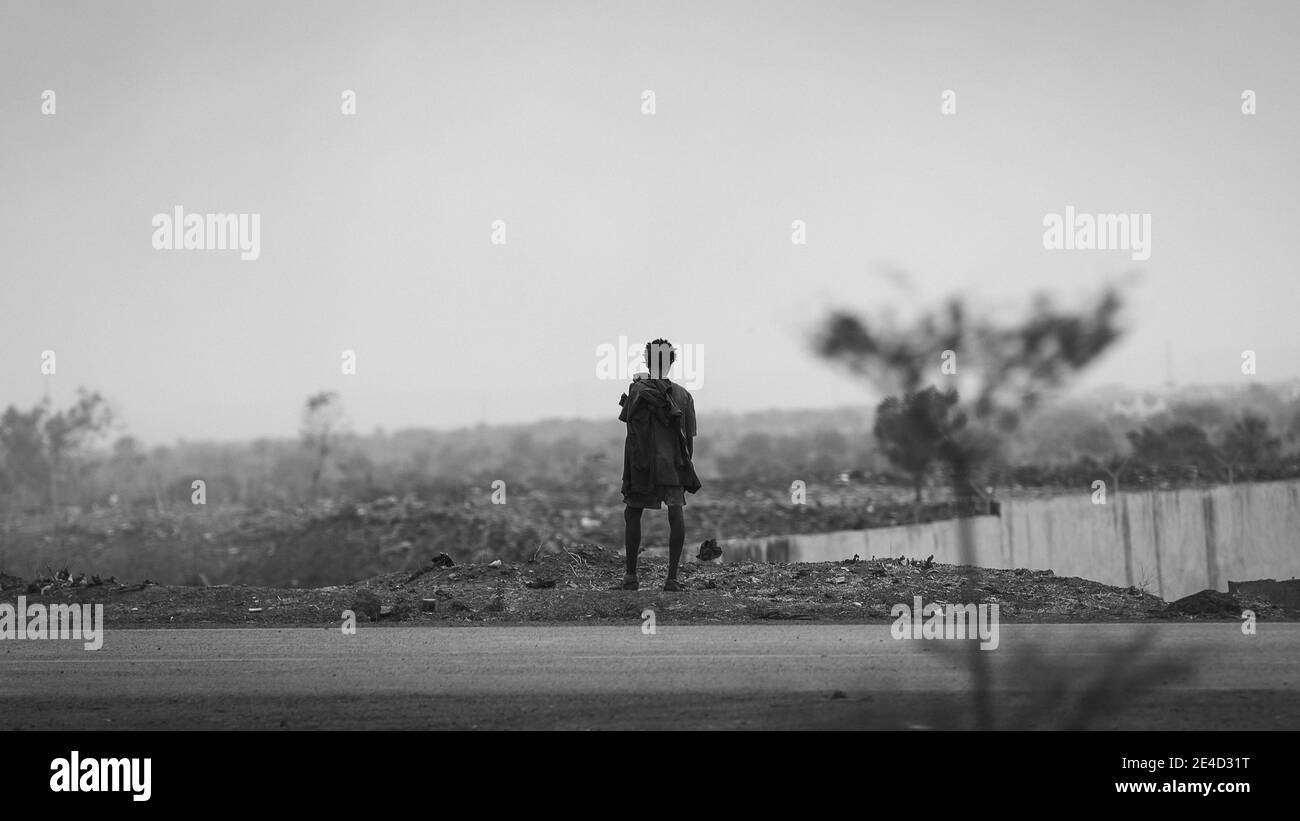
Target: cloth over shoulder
{"points": [[660, 416]]}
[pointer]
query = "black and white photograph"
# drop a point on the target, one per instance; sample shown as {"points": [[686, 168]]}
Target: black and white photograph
{"points": [[880, 366]]}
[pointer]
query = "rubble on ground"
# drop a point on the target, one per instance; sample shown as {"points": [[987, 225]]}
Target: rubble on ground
{"points": [[573, 584]]}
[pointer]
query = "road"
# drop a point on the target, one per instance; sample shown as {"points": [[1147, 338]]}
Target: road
{"points": [[788, 676]]}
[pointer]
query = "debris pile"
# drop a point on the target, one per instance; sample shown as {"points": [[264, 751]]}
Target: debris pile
{"points": [[62, 580], [709, 551], [575, 583]]}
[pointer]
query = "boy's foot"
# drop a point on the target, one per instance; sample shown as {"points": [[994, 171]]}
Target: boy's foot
{"points": [[673, 586], [629, 582]]}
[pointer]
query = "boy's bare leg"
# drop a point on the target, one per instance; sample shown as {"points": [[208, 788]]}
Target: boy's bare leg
{"points": [[676, 539], [631, 542]]}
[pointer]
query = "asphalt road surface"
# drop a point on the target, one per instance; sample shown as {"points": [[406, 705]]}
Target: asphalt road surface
{"points": [[705, 677]]}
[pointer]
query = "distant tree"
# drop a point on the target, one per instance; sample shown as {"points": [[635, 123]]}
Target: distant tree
{"points": [[322, 430], [1209, 416], [828, 453], [989, 467], [126, 467], [160, 463], [912, 430], [40, 445], [1101, 443], [1262, 400], [1176, 447], [24, 466], [1056, 435], [1293, 428], [69, 430], [1247, 442]]}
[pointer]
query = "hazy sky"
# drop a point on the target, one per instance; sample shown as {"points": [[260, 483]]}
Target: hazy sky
{"points": [[376, 228]]}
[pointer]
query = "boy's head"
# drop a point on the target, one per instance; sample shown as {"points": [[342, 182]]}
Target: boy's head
{"points": [[659, 358]]}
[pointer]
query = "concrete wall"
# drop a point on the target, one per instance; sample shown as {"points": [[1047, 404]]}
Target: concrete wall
{"points": [[1174, 543]]}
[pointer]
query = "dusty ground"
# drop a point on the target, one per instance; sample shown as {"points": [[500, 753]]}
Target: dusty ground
{"points": [[575, 586]]}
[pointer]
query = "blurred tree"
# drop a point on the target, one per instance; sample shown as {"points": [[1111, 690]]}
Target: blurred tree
{"points": [[160, 465], [1293, 427], [1209, 416], [1008, 367], [39, 446], [912, 430], [986, 448], [126, 468], [1102, 443], [69, 430], [828, 454], [1053, 436], [24, 468], [1183, 448], [322, 423], [358, 470], [1247, 442]]}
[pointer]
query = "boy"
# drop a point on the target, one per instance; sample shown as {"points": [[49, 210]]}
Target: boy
{"points": [[657, 453]]}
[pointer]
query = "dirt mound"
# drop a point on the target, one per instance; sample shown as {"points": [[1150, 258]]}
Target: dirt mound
{"points": [[1207, 603], [574, 584]]}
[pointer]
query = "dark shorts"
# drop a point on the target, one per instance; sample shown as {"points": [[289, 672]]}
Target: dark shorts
{"points": [[672, 495]]}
